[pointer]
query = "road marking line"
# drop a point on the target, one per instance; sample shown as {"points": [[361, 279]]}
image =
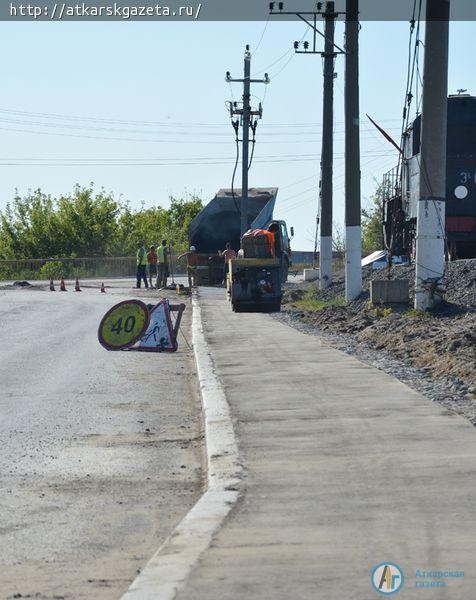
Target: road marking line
{"points": [[168, 570]]}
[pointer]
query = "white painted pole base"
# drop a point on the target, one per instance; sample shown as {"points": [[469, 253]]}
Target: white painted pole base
{"points": [[353, 262], [325, 262], [430, 250]]}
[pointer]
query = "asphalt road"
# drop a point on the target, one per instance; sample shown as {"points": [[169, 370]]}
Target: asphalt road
{"points": [[101, 451]]}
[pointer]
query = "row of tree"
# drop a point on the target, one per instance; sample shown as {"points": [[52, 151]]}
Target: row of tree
{"points": [[89, 223]]}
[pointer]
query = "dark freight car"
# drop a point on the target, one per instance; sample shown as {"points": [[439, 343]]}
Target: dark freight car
{"points": [[402, 185]]}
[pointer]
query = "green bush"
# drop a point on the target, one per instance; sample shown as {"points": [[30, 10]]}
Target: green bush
{"points": [[53, 269]]}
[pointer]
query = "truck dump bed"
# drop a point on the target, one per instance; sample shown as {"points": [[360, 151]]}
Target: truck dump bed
{"points": [[219, 222]]}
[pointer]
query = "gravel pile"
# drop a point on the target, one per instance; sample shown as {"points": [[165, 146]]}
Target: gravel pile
{"points": [[459, 282]]}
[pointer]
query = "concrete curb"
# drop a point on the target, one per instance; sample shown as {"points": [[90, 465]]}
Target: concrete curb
{"points": [[168, 570]]}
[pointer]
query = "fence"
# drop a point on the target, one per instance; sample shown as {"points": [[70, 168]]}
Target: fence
{"points": [[44, 268], [305, 259], [110, 266]]}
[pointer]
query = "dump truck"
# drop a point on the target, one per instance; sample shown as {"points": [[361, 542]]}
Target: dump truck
{"points": [[254, 282]]}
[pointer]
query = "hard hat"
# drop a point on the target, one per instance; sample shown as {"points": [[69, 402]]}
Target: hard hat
{"points": [[192, 248]]}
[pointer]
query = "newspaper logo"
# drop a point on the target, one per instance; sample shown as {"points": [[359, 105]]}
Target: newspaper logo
{"points": [[387, 578]]}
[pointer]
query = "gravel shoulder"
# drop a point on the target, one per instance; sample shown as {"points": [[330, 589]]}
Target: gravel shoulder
{"points": [[433, 352], [101, 451]]}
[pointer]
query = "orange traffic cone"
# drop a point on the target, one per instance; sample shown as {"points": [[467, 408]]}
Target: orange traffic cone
{"points": [[76, 286], [103, 289], [63, 286], [52, 285]]}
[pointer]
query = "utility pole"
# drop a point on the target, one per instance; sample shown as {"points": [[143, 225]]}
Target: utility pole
{"points": [[326, 191], [246, 141], [325, 260], [353, 240], [246, 114], [430, 236]]}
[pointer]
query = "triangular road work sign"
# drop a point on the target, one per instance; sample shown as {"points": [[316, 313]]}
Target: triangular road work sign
{"points": [[159, 336]]}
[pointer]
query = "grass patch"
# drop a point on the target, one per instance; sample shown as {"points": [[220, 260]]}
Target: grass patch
{"points": [[309, 302], [379, 310], [415, 313]]}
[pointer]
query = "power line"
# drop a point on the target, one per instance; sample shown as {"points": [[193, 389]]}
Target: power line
{"points": [[161, 123], [262, 36], [154, 141], [165, 159], [151, 163]]}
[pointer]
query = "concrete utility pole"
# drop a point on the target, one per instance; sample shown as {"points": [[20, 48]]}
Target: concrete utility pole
{"points": [[325, 260], [246, 114], [329, 54], [353, 240], [430, 237], [246, 141]]}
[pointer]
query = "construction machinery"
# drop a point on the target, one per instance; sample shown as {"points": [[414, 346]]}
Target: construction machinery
{"points": [[254, 279]]}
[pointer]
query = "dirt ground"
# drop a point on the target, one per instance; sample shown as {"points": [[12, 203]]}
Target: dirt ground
{"points": [[441, 342]]}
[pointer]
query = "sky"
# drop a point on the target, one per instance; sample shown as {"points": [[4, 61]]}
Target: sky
{"points": [[139, 109]]}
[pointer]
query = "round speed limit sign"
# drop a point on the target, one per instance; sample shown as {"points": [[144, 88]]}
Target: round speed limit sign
{"points": [[123, 325]]}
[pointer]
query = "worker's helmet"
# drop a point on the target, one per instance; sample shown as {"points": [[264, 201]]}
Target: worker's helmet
{"points": [[192, 249]]}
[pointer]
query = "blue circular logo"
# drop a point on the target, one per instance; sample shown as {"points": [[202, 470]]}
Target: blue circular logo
{"points": [[387, 578]]}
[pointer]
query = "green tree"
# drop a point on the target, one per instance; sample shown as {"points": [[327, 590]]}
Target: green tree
{"points": [[89, 223], [28, 227], [372, 223], [145, 225], [152, 225]]}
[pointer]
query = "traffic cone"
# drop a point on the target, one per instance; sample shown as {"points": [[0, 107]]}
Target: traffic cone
{"points": [[52, 285], [76, 286], [103, 289], [63, 286]]}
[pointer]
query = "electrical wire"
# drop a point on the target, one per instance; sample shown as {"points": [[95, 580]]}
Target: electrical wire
{"points": [[235, 125], [253, 142], [188, 125], [302, 201], [411, 64], [270, 66], [262, 35], [291, 50], [298, 140], [297, 158]]}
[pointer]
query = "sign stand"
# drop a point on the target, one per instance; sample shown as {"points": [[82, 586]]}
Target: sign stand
{"points": [[161, 335]]}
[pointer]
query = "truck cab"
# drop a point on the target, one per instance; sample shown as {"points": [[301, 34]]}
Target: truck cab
{"points": [[282, 246]]}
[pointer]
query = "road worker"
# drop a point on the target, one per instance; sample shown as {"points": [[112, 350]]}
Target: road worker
{"points": [[152, 260], [162, 265], [227, 254], [141, 265], [192, 262]]}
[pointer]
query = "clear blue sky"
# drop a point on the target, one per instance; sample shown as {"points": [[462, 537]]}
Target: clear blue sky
{"points": [[173, 74]]}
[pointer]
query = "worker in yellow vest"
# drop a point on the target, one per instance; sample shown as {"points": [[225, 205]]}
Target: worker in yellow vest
{"points": [[162, 264], [141, 265]]}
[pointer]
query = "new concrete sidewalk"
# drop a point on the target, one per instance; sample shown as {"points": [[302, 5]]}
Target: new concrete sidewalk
{"points": [[345, 468]]}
